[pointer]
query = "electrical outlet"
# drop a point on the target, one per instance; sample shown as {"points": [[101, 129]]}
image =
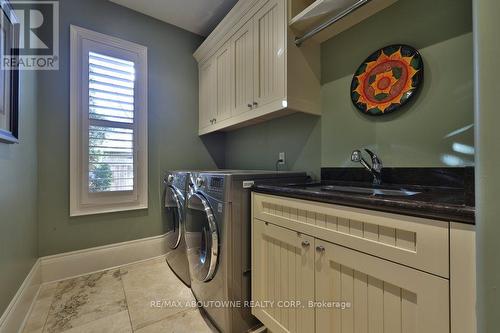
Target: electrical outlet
{"points": [[281, 158]]}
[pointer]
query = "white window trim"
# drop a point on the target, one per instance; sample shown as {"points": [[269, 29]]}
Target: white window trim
{"points": [[81, 202]]}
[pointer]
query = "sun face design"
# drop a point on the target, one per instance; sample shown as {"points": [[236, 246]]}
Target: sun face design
{"points": [[385, 82]]}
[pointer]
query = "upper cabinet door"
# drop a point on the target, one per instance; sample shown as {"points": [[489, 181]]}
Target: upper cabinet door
{"points": [[375, 295], [225, 82], [270, 53], [242, 44], [207, 93]]}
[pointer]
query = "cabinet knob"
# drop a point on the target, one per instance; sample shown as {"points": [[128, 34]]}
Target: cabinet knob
{"points": [[320, 249], [249, 105], [255, 104], [305, 243]]}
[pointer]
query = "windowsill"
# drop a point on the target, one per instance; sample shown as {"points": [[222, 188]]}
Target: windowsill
{"points": [[107, 210]]}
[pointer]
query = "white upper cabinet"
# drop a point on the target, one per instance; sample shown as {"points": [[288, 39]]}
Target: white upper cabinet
{"points": [[207, 93], [242, 44], [269, 31], [225, 82], [259, 70]]}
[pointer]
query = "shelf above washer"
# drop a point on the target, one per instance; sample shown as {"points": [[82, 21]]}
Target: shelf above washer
{"points": [[305, 15]]}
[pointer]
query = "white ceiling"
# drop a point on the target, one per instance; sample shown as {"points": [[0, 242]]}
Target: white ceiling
{"points": [[198, 16]]}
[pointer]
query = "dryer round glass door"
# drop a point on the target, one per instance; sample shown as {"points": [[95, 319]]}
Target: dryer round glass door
{"points": [[172, 216], [202, 238]]}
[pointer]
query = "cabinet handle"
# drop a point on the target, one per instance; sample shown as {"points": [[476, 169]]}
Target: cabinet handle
{"points": [[255, 104], [320, 249], [249, 105], [305, 243]]}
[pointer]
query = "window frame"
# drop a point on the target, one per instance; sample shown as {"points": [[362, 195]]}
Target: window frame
{"points": [[82, 201]]}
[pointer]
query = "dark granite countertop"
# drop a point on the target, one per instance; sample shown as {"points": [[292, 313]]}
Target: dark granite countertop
{"points": [[434, 202]]}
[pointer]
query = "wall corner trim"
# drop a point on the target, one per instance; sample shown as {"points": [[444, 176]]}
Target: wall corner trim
{"points": [[18, 309]]}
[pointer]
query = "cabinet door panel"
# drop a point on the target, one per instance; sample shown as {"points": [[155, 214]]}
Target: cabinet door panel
{"points": [[269, 36], [225, 82], [207, 93], [385, 297], [282, 270], [242, 45]]}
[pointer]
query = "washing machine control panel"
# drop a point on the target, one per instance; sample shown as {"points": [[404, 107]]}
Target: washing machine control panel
{"points": [[216, 184], [215, 187], [209, 184]]}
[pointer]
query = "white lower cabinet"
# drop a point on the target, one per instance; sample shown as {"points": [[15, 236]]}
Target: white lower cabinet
{"points": [[381, 296], [283, 270], [313, 285]]}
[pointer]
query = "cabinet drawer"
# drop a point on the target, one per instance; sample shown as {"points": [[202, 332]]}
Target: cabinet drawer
{"points": [[415, 242]]}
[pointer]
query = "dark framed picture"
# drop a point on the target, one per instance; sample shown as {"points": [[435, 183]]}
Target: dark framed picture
{"points": [[9, 75]]}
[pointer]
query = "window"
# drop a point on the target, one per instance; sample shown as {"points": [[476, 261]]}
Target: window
{"points": [[108, 124]]}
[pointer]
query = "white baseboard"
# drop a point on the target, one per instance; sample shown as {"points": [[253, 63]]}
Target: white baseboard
{"points": [[71, 264], [13, 318]]}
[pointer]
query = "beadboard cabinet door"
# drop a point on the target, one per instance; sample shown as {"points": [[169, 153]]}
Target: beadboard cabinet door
{"points": [[225, 82], [207, 93], [270, 53], [385, 297], [242, 44], [282, 270]]}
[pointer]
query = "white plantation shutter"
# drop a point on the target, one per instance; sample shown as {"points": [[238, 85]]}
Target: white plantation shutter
{"points": [[111, 119], [108, 124]]}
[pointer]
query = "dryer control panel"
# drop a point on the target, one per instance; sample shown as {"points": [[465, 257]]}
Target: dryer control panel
{"points": [[216, 184]]}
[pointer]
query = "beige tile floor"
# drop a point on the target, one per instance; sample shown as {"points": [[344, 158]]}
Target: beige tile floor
{"points": [[118, 300]]}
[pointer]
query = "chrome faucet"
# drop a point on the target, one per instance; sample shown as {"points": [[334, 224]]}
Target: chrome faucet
{"points": [[375, 169]]}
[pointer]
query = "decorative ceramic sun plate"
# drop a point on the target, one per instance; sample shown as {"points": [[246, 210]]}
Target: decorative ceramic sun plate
{"points": [[387, 80]]}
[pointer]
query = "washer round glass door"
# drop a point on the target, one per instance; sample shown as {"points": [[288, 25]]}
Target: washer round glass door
{"points": [[202, 238], [173, 216]]}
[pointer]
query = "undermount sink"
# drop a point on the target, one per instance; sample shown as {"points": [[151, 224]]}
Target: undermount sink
{"points": [[371, 191]]}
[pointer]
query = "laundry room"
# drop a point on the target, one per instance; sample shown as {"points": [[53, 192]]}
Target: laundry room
{"points": [[249, 166]]}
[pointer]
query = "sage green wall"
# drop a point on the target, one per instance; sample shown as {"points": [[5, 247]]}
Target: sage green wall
{"points": [[257, 147], [433, 130], [487, 55], [18, 202], [173, 114]]}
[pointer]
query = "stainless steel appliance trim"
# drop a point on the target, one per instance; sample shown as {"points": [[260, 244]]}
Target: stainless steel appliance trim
{"points": [[214, 235], [176, 194]]}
